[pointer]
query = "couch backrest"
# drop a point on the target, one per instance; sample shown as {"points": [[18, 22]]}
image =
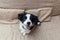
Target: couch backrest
{"points": [[31, 4], [56, 7], [25, 3]]}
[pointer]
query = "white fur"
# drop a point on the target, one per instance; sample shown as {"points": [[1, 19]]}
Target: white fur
{"points": [[24, 31]]}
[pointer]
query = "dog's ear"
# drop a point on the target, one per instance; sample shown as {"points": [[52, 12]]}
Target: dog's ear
{"points": [[37, 21], [20, 16]]}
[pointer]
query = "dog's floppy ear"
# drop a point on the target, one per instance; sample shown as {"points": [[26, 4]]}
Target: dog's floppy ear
{"points": [[38, 22], [20, 16]]}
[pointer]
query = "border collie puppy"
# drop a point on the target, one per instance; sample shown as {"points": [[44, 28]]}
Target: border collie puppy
{"points": [[27, 22]]}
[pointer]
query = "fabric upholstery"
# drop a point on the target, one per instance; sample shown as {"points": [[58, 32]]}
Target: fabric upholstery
{"points": [[42, 13], [25, 4], [28, 4], [47, 31], [5, 32], [56, 10], [9, 14]]}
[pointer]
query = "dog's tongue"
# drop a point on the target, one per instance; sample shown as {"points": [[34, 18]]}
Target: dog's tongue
{"points": [[28, 27]]}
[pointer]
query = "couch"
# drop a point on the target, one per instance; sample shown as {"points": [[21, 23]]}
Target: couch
{"points": [[48, 30]]}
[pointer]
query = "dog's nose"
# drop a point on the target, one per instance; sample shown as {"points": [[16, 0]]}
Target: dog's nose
{"points": [[28, 23]]}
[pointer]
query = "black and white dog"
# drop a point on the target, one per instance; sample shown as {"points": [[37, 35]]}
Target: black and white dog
{"points": [[27, 22]]}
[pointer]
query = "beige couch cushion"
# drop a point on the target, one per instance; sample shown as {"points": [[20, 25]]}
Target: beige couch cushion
{"points": [[6, 32], [9, 14], [47, 31], [31, 4], [56, 8], [25, 3], [42, 13]]}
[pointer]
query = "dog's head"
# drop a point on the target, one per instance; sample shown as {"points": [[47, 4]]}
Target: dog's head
{"points": [[29, 20]]}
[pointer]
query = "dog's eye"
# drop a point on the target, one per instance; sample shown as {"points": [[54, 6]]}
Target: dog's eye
{"points": [[32, 18], [25, 17]]}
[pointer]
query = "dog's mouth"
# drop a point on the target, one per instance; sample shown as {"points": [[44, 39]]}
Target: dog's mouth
{"points": [[28, 27]]}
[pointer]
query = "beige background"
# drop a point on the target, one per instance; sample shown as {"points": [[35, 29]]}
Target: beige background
{"points": [[47, 31]]}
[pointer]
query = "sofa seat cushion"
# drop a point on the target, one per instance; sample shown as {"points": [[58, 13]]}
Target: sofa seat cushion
{"points": [[6, 32], [9, 15], [47, 31]]}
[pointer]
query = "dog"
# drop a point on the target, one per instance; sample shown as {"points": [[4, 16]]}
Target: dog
{"points": [[27, 21]]}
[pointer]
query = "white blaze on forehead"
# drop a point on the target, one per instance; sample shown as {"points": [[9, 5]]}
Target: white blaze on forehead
{"points": [[28, 19], [28, 16]]}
